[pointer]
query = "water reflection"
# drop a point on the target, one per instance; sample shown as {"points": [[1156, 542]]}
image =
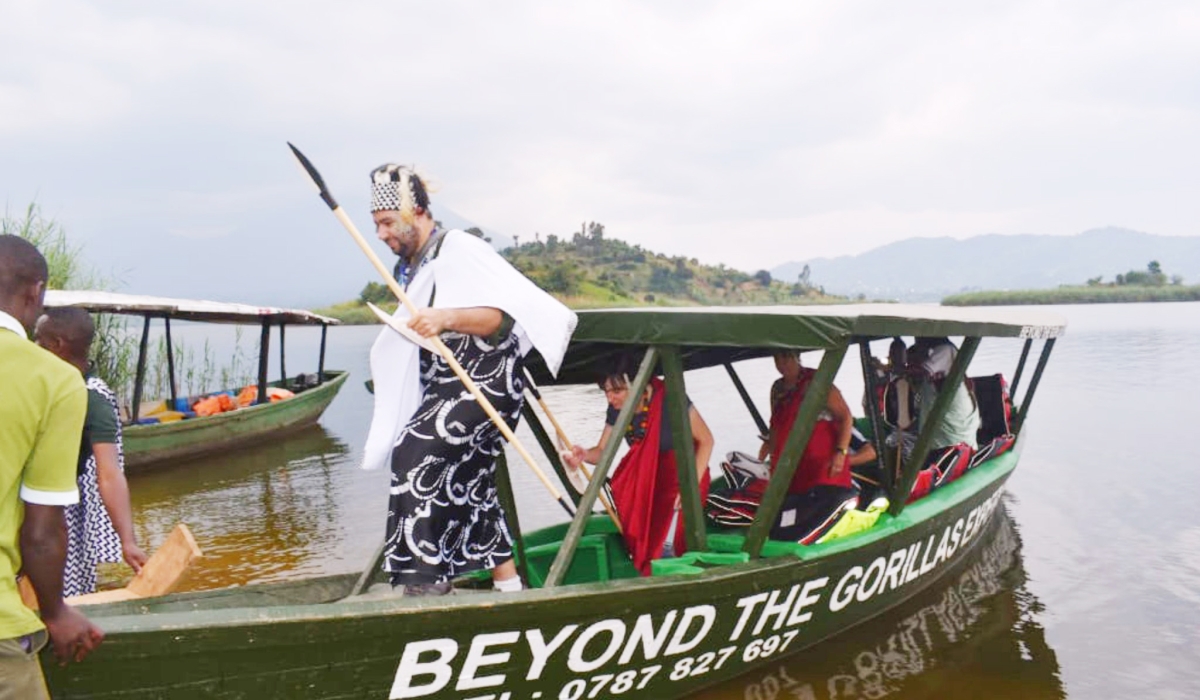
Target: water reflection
{"points": [[259, 514], [975, 634]]}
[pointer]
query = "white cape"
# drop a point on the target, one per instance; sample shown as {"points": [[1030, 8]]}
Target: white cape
{"points": [[467, 273]]}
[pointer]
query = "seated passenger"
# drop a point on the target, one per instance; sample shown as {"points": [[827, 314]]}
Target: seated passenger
{"points": [[954, 437], [898, 402], [929, 361], [822, 482], [645, 485]]}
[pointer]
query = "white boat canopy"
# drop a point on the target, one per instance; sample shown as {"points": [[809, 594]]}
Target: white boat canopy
{"points": [[183, 309]]}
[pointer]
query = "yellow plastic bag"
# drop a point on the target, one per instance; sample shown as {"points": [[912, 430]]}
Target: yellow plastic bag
{"points": [[855, 521]]}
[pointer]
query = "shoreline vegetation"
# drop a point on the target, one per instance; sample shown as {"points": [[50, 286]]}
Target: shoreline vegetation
{"points": [[1149, 285], [115, 346], [1078, 294], [590, 271]]}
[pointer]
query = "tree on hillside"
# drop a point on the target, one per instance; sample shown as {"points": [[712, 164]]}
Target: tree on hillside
{"points": [[805, 275], [1153, 276], [763, 277], [375, 293], [478, 233]]}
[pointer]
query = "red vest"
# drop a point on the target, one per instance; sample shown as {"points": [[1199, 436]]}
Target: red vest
{"points": [[813, 469]]}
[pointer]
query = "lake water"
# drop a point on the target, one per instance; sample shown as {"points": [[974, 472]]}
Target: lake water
{"points": [[1089, 587]]}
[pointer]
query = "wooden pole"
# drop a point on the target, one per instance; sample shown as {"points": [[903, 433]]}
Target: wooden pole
{"points": [[741, 389], [139, 379], [437, 343], [321, 358], [566, 441], [264, 346], [547, 444], [508, 502], [171, 363], [282, 366], [1033, 383], [685, 449], [1012, 392]]}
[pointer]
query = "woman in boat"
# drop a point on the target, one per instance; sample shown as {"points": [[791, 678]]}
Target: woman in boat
{"points": [[823, 475], [444, 515], [100, 525], [645, 485]]}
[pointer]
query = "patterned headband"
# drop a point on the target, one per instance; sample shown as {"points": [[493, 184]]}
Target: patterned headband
{"points": [[398, 188]]}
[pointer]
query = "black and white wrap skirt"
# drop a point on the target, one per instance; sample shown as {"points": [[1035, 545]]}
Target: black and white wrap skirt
{"points": [[444, 516]]}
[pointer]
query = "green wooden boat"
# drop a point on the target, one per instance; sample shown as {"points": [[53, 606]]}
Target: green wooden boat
{"points": [[149, 445], [590, 627]]}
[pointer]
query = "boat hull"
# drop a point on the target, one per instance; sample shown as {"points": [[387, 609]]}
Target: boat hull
{"points": [[639, 638], [151, 446]]}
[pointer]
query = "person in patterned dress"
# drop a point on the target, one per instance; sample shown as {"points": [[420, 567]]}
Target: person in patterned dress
{"points": [[100, 525], [444, 517]]}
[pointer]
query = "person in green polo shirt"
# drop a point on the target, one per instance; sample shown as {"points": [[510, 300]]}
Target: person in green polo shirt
{"points": [[42, 406]]}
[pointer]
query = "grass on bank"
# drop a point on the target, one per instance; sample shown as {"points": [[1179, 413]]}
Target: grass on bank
{"points": [[1076, 295]]}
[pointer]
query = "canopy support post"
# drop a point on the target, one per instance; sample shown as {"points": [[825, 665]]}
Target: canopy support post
{"points": [[508, 502], [685, 448], [741, 389], [264, 346], [930, 422], [282, 366], [321, 357], [171, 364], [788, 460], [872, 409], [548, 448], [140, 378], [1033, 383], [566, 551], [1020, 367]]}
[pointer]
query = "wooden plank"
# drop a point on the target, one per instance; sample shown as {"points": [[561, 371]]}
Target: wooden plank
{"points": [[162, 573], [165, 569]]}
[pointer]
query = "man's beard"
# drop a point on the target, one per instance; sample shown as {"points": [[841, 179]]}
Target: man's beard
{"points": [[406, 242]]}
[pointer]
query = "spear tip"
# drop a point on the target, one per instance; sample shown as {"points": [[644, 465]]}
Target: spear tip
{"points": [[310, 171]]}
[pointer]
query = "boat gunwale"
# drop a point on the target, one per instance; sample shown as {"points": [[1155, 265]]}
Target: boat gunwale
{"points": [[945, 499]]}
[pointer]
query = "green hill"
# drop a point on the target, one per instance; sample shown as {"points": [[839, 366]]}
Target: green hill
{"points": [[590, 271]]}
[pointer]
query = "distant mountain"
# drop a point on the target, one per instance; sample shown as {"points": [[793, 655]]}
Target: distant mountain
{"points": [[926, 269]]}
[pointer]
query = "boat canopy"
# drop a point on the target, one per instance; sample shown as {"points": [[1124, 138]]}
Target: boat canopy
{"points": [[709, 336], [183, 309]]}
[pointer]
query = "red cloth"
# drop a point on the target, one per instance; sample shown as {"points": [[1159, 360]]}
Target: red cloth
{"points": [[813, 469], [644, 490]]}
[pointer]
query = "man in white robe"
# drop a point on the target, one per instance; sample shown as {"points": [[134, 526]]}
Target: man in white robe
{"points": [[444, 518]]}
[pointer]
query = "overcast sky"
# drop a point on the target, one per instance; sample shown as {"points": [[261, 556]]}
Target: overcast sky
{"points": [[744, 133]]}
